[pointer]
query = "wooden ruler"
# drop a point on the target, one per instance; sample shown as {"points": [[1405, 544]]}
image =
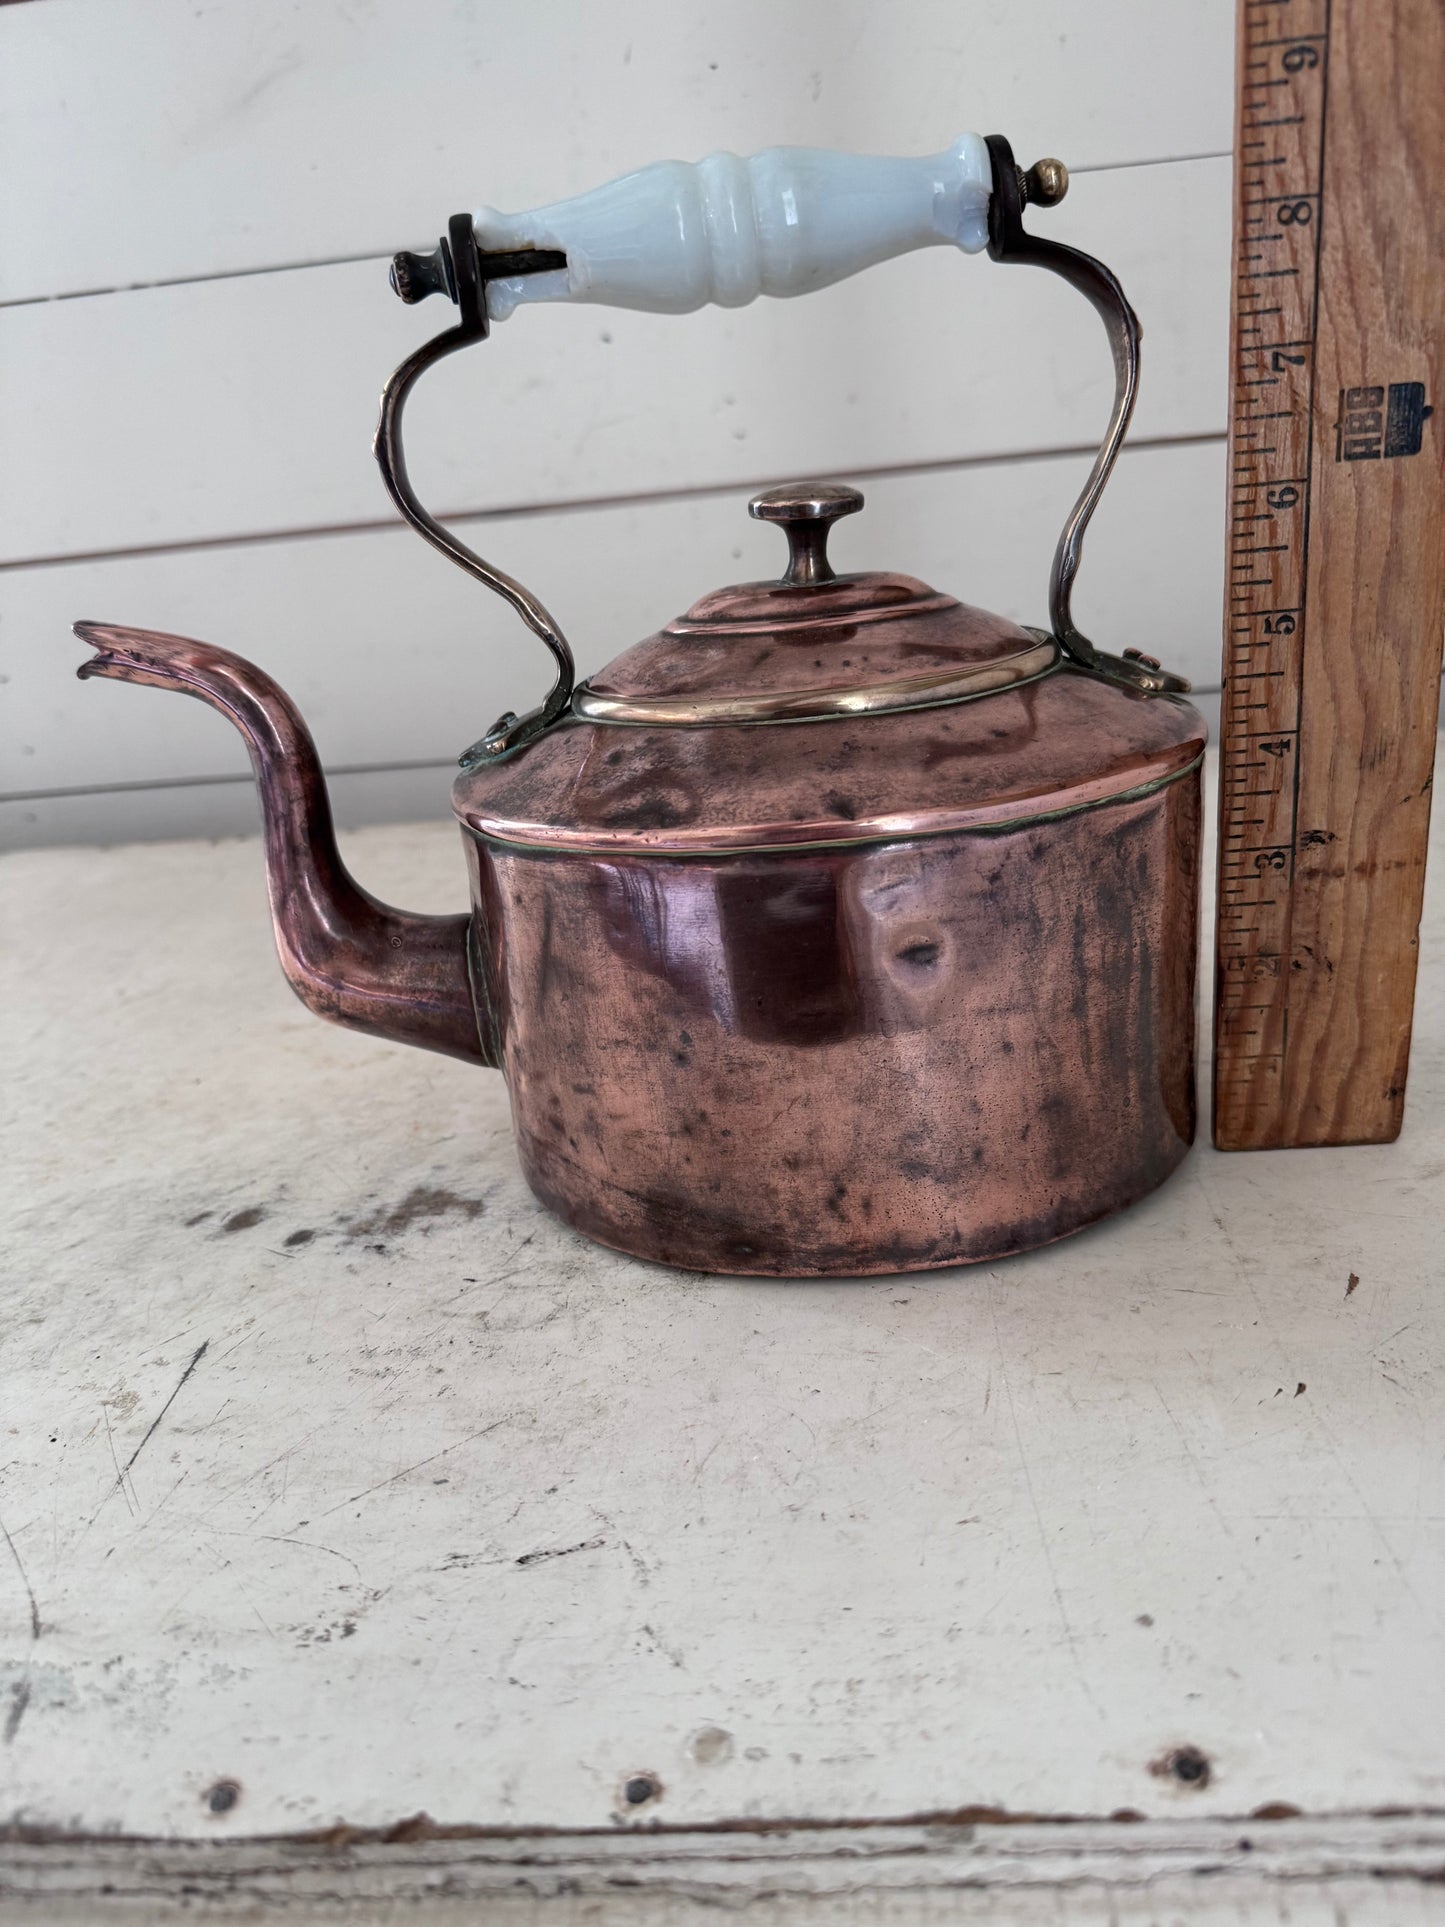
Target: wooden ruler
{"points": [[1336, 595]]}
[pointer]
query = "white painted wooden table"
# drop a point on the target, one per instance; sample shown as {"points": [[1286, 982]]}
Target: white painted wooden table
{"points": [[340, 1485]]}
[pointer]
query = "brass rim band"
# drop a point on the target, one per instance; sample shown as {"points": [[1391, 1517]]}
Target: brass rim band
{"points": [[1002, 826], [817, 705]]}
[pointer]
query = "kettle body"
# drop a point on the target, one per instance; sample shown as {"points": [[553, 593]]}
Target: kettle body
{"points": [[919, 1052]]}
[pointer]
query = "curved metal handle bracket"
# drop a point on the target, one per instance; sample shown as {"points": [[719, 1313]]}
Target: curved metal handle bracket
{"points": [[459, 269], [1008, 240]]}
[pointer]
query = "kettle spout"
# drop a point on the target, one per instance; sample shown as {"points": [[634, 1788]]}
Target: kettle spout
{"points": [[347, 956]]}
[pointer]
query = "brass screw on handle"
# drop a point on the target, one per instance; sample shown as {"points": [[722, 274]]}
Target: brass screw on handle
{"points": [[1045, 184]]}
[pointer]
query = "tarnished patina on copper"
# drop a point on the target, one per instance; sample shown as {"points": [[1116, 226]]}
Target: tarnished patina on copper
{"points": [[916, 1053]]}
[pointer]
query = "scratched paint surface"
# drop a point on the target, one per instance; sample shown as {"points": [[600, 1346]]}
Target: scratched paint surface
{"points": [[337, 1477]]}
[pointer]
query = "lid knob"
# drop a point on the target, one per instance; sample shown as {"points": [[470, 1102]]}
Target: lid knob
{"points": [[807, 510]]}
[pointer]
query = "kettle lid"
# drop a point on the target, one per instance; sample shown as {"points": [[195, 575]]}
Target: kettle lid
{"points": [[813, 644], [822, 710]]}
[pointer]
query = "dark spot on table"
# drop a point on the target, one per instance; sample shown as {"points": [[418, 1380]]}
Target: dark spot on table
{"points": [[641, 1789], [1185, 1764], [421, 1204], [244, 1220]]}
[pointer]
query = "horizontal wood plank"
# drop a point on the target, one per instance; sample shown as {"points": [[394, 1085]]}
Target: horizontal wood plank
{"points": [[1120, 1873], [142, 143], [395, 657], [221, 806], [247, 406]]}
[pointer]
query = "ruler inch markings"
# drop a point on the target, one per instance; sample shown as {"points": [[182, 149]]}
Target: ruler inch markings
{"points": [[1336, 551]]}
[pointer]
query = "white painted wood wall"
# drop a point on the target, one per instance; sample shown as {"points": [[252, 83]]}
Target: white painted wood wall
{"points": [[198, 204]]}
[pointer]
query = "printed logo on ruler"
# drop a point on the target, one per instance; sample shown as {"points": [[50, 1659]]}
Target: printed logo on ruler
{"points": [[1377, 424], [1284, 54]]}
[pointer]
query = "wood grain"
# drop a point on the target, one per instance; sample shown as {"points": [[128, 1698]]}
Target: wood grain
{"points": [[948, 1873], [1334, 640]]}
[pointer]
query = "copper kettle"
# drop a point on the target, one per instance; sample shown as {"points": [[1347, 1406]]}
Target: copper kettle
{"points": [[837, 928]]}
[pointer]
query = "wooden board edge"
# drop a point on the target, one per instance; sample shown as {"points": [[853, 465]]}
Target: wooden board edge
{"points": [[415, 1861]]}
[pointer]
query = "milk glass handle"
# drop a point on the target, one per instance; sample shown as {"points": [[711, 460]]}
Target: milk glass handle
{"points": [[677, 235]]}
